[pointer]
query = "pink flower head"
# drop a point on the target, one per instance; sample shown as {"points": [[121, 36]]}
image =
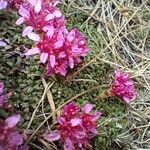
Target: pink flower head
{"points": [[38, 14], [76, 47], [10, 138], [59, 49], [3, 4], [75, 127], [70, 110], [123, 87], [51, 52]]}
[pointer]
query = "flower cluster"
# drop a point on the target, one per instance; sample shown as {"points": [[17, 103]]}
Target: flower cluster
{"points": [[59, 49], [75, 127], [10, 138], [123, 87]]}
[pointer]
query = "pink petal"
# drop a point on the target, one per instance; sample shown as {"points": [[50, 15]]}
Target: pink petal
{"points": [[27, 30], [76, 121], [12, 121], [128, 83], [2, 44], [20, 21], [129, 99], [58, 44], [38, 6], [68, 145], [126, 99], [32, 51], [80, 134], [23, 12], [3, 4], [43, 57], [15, 138], [71, 36], [32, 2], [96, 116], [53, 136], [50, 31], [87, 108], [63, 71], [77, 50], [94, 131], [55, 3], [61, 120], [49, 17], [57, 13], [62, 55], [34, 37], [1, 88], [82, 42], [71, 62], [52, 61]]}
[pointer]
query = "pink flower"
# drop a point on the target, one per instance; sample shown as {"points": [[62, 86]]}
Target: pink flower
{"points": [[70, 110], [76, 47], [38, 14], [51, 51], [3, 4], [59, 49], [123, 87], [10, 138], [75, 127]]}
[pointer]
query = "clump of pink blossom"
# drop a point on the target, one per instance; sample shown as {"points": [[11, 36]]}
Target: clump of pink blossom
{"points": [[76, 127], [10, 138], [39, 16], [59, 49], [123, 87]]}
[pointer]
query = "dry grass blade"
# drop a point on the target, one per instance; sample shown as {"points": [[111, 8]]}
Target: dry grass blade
{"points": [[40, 101], [50, 99], [93, 12]]}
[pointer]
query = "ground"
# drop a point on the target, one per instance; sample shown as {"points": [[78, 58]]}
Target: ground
{"points": [[118, 37]]}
